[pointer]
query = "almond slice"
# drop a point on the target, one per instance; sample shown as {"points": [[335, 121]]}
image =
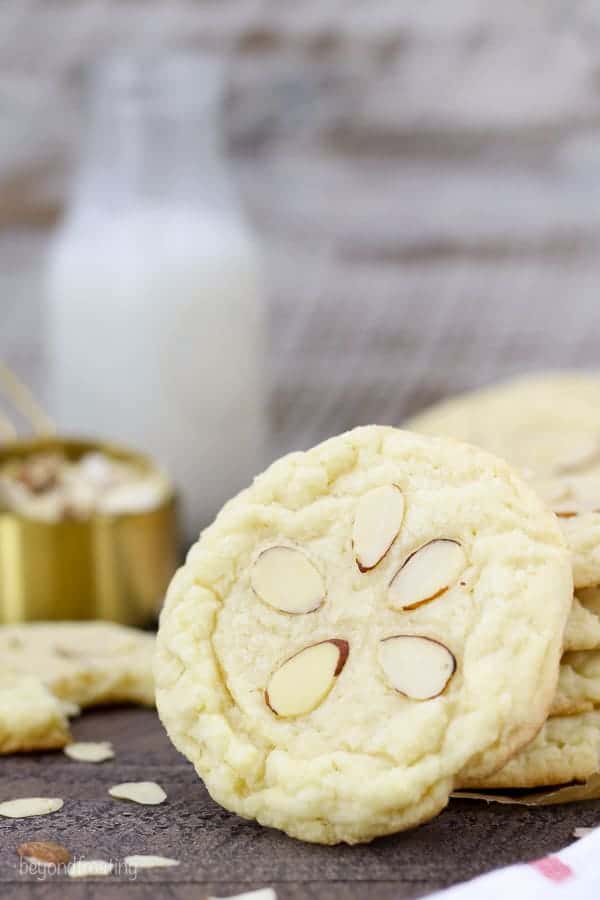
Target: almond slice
{"points": [[580, 495], [260, 894], [90, 868], [566, 511], [30, 806], [146, 861], [418, 667], [89, 751], [44, 853], [377, 522], [427, 574], [304, 680], [147, 793], [287, 580]]}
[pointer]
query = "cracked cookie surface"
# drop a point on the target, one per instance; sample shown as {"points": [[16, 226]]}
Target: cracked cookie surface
{"points": [[419, 634]]}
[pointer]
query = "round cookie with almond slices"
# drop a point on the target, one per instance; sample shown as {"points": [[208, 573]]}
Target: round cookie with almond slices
{"points": [[367, 620], [548, 427]]}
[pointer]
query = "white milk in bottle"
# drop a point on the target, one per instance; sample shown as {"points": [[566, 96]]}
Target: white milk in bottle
{"points": [[156, 318]]}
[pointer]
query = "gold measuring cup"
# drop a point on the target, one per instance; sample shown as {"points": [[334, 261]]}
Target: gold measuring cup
{"points": [[115, 566]]}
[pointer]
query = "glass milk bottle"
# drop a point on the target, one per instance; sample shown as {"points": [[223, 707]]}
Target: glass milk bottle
{"points": [[156, 319]]}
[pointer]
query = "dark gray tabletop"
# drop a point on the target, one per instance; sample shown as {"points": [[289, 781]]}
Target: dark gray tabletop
{"points": [[221, 854]]}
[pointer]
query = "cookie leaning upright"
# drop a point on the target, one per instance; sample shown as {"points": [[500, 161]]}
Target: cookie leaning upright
{"points": [[357, 627]]}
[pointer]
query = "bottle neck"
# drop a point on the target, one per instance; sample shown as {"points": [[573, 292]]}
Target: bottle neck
{"points": [[153, 138]]}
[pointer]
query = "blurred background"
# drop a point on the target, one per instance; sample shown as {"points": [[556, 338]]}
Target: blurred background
{"points": [[422, 180]]}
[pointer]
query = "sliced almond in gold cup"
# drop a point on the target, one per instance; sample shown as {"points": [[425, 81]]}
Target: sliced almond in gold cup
{"points": [[427, 574], [287, 580], [301, 683], [377, 523], [418, 667]]}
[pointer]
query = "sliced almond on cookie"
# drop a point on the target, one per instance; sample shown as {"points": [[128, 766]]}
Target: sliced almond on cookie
{"points": [[377, 522], [416, 666], [427, 574], [303, 681], [287, 580]]}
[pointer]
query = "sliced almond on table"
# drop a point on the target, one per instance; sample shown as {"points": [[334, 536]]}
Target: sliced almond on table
{"points": [[45, 853], [427, 574], [260, 894], [580, 495], [416, 666], [89, 868], [287, 580], [148, 793], [146, 861], [377, 522], [30, 806], [303, 681], [90, 751]]}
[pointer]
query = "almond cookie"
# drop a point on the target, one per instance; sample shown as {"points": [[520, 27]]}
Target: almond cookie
{"points": [[362, 623], [85, 663], [31, 717], [566, 749], [548, 427], [48, 670]]}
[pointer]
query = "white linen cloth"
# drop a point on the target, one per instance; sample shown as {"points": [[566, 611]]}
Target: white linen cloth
{"points": [[572, 872]]}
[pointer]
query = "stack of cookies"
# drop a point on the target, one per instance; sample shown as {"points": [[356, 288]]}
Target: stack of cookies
{"points": [[370, 625], [375, 623], [548, 428]]}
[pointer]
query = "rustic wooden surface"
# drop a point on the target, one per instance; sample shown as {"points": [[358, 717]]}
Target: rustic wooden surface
{"points": [[223, 855]]}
